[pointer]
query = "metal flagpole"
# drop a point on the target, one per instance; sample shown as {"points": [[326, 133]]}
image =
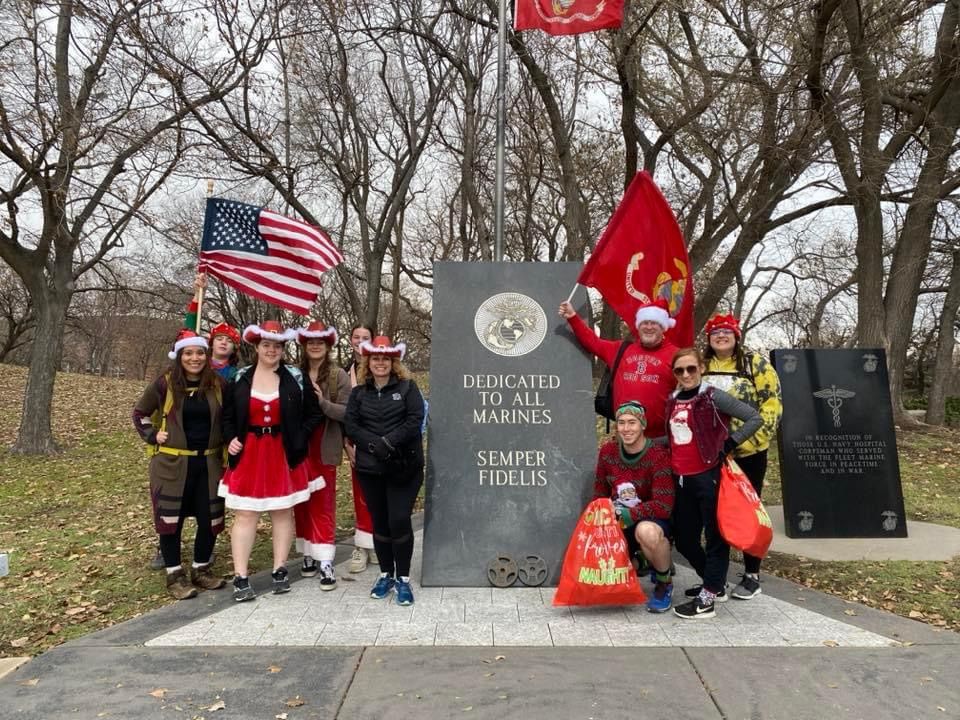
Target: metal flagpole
{"points": [[501, 130]]}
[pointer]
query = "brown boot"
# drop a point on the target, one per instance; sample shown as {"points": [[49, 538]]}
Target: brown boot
{"points": [[203, 577], [178, 585]]}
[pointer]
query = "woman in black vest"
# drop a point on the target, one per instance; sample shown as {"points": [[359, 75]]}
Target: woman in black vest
{"points": [[384, 418]]}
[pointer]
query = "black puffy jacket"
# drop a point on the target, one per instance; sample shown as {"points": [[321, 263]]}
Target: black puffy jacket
{"points": [[395, 413]]}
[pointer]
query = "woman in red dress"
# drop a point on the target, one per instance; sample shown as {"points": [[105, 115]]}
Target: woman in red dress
{"points": [[267, 418], [316, 519]]}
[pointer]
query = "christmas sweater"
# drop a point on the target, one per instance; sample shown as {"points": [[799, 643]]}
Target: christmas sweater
{"points": [[758, 387], [644, 485]]}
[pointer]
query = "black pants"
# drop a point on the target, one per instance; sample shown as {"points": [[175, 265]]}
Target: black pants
{"points": [[390, 502], [195, 503], [695, 512], [755, 468]]}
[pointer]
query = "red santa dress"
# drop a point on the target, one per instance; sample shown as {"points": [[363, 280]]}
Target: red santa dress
{"points": [[262, 480]]}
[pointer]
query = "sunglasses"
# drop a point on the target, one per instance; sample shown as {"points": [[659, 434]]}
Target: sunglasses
{"points": [[687, 370]]}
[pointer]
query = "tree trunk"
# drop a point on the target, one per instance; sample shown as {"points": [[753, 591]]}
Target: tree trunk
{"points": [[36, 436], [943, 360]]}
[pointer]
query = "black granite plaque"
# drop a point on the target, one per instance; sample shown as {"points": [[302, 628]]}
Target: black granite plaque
{"points": [[838, 451], [512, 438]]}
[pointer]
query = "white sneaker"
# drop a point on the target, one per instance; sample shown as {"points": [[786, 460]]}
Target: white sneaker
{"points": [[358, 560], [328, 581]]}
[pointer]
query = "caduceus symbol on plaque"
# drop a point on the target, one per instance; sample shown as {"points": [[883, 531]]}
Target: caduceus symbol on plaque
{"points": [[834, 397]]}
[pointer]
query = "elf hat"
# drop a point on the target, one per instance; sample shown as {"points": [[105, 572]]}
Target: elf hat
{"points": [[657, 312], [381, 345], [225, 329], [723, 322], [317, 330], [187, 338], [267, 330]]}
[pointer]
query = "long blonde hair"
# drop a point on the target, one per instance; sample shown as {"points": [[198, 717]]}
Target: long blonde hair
{"points": [[397, 368]]}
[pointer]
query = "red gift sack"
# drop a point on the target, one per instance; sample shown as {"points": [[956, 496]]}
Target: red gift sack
{"points": [[596, 569], [743, 520]]}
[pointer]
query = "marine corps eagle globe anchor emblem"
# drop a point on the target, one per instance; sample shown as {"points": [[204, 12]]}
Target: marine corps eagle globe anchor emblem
{"points": [[510, 324]]}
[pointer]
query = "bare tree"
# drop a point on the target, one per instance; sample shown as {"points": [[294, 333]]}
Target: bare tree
{"points": [[89, 132]]}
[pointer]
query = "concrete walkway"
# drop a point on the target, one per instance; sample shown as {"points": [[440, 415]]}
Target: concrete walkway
{"points": [[925, 541], [789, 653]]}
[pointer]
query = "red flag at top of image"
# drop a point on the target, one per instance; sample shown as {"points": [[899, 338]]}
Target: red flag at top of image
{"points": [[641, 257], [567, 17]]}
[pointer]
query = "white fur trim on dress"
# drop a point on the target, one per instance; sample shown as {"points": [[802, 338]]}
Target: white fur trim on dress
{"points": [[331, 332], [398, 350], [195, 341], [253, 334], [318, 483], [241, 502], [363, 539], [657, 315], [321, 552]]}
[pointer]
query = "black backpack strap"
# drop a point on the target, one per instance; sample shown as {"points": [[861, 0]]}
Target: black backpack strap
{"points": [[616, 363]]}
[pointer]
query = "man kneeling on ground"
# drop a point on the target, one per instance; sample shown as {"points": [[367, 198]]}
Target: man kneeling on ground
{"points": [[635, 474]]}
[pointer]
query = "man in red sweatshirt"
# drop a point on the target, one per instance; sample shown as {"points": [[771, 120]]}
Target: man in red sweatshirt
{"points": [[644, 373]]}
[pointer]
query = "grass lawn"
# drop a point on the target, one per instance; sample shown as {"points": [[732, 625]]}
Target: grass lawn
{"points": [[78, 528]]}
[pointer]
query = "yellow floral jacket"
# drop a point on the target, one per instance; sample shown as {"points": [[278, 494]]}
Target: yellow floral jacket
{"points": [[760, 389]]}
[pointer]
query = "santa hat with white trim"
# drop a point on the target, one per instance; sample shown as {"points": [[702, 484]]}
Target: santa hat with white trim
{"points": [[657, 312], [187, 338], [317, 330], [381, 345], [267, 330]]}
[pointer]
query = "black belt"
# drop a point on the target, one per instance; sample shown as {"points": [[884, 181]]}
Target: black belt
{"points": [[261, 430]]}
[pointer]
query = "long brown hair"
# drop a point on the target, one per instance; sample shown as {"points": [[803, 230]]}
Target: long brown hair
{"points": [[209, 379], [324, 368], [397, 369]]}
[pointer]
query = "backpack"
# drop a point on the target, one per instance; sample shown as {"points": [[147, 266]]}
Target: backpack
{"points": [[404, 389], [603, 401]]}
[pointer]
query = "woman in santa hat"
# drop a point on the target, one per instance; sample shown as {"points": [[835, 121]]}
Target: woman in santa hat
{"points": [[384, 417], [316, 519], [751, 379], [267, 418], [179, 416]]}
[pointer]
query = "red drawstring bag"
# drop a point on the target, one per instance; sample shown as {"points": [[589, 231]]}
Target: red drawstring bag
{"points": [[596, 569], [743, 520]]}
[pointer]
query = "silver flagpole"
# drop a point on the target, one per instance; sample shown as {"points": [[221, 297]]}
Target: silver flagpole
{"points": [[501, 130]]}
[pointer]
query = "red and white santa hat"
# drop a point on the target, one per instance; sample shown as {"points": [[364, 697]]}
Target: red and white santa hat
{"points": [[381, 345], [187, 338], [656, 311], [227, 330], [723, 322], [317, 330], [267, 330]]}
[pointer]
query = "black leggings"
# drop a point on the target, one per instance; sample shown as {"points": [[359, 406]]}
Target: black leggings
{"points": [[391, 503], [195, 503], [755, 468], [695, 512]]}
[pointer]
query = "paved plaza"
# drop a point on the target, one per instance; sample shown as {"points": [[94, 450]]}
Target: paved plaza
{"points": [[509, 617]]}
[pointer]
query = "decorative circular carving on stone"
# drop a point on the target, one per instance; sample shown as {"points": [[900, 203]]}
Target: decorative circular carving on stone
{"points": [[510, 324]]}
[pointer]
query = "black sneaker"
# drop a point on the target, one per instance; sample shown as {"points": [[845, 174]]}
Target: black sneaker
{"points": [[281, 581], [747, 588], [309, 567], [328, 580], [695, 609], [242, 590], [695, 591]]}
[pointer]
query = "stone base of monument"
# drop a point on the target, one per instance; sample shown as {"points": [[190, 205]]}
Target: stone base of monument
{"points": [[512, 437]]}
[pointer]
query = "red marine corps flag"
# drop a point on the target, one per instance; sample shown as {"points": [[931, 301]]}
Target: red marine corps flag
{"points": [[567, 17], [641, 257]]}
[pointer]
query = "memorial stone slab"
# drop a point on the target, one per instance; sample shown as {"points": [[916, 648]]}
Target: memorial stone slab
{"points": [[512, 437], [838, 451]]}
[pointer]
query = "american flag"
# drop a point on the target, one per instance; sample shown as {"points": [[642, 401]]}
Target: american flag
{"points": [[266, 255]]}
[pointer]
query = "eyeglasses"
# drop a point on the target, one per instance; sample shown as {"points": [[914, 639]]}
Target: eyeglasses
{"points": [[722, 331], [688, 370]]}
